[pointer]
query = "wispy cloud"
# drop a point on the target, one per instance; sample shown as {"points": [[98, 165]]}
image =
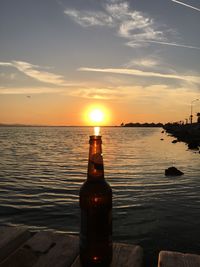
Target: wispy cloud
{"points": [[152, 95], [143, 62], [34, 72], [130, 24], [28, 91], [89, 18], [158, 94], [101, 93], [135, 26], [8, 76], [184, 4], [6, 64], [136, 72]]}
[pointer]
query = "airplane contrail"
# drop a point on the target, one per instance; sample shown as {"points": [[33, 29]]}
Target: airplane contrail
{"points": [[181, 3], [165, 43], [174, 44]]}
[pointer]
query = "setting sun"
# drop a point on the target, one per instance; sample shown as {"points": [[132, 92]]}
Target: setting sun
{"points": [[96, 115]]}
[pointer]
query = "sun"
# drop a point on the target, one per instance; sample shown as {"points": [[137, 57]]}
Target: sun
{"points": [[96, 115]]}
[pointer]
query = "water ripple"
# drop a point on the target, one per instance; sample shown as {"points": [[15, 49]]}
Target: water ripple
{"points": [[42, 169]]}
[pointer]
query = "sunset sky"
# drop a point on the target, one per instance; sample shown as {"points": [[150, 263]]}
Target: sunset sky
{"points": [[138, 60]]}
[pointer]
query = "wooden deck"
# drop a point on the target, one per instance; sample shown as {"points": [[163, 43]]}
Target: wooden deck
{"points": [[177, 259], [21, 248]]}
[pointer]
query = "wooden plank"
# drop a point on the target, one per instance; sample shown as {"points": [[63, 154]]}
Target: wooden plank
{"points": [[11, 238], [177, 259], [124, 255], [77, 262], [45, 249], [64, 250]]}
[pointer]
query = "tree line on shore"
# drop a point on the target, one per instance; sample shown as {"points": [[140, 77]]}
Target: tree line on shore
{"points": [[138, 124]]}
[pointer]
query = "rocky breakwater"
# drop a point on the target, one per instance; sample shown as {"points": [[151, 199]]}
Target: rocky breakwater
{"points": [[188, 133]]}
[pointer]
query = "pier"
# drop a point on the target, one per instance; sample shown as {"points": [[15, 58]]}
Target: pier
{"points": [[19, 247]]}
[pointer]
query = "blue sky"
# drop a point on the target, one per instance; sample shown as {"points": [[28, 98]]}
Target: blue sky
{"points": [[138, 58]]}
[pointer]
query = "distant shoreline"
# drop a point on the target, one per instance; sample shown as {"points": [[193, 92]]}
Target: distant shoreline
{"points": [[84, 126], [146, 124]]}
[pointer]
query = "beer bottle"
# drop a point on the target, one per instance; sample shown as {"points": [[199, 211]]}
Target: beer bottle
{"points": [[96, 211]]}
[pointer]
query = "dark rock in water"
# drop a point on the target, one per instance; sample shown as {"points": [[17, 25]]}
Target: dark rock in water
{"points": [[193, 145], [174, 141], [173, 171]]}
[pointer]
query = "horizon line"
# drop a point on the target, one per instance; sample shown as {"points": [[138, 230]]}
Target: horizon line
{"points": [[87, 126]]}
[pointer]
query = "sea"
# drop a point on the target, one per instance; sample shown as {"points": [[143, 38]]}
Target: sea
{"points": [[43, 168]]}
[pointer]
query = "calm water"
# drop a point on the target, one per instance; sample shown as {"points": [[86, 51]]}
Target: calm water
{"points": [[42, 169]]}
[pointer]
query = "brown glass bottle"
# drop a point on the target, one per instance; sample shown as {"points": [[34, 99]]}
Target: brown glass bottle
{"points": [[96, 211]]}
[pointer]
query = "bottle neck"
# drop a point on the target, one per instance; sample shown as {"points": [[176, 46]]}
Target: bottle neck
{"points": [[95, 162]]}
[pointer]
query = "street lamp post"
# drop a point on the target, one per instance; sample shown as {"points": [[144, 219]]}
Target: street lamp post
{"points": [[191, 115]]}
